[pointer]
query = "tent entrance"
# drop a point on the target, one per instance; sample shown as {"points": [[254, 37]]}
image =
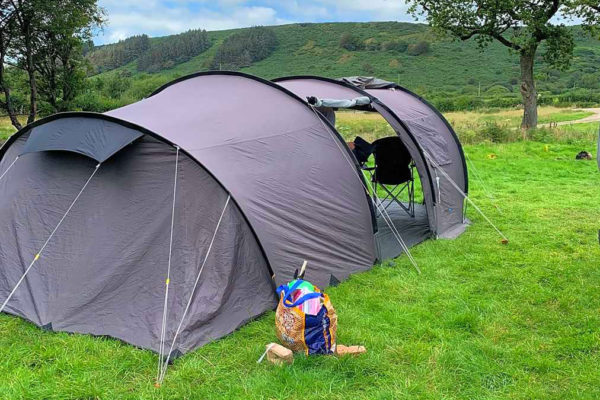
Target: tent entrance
{"points": [[396, 189], [412, 229]]}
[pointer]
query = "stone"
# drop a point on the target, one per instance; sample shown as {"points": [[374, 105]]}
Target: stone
{"points": [[279, 355], [342, 350]]}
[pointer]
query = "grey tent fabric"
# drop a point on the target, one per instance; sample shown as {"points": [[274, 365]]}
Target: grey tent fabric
{"points": [[368, 82], [423, 131], [281, 163], [95, 138], [104, 271], [294, 190]]}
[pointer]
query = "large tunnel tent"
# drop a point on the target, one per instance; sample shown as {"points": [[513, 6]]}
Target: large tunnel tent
{"points": [[168, 223], [426, 135]]}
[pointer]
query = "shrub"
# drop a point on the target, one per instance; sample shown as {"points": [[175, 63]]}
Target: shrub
{"points": [[395, 45], [495, 132], [368, 68], [350, 42], [418, 48]]}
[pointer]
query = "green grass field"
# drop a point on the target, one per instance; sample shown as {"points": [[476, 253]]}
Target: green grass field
{"points": [[482, 321]]}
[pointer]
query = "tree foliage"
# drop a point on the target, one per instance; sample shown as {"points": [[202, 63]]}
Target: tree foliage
{"points": [[244, 48], [44, 40], [106, 58], [521, 25], [176, 50]]}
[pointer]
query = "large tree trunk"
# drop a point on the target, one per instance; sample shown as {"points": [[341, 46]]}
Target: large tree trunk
{"points": [[528, 91]]}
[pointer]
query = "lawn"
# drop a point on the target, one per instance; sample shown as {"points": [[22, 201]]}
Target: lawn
{"points": [[482, 321]]}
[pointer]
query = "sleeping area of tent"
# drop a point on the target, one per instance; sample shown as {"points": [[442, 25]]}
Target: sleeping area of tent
{"points": [[168, 223]]}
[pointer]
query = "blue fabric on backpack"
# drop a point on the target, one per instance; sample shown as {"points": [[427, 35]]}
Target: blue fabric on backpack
{"points": [[287, 292]]}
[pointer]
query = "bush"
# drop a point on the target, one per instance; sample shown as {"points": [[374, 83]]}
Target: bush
{"points": [[419, 48], [396, 45], [368, 69], [350, 42], [495, 132]]}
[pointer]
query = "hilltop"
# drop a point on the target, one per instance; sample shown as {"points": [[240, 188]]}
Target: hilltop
{"points": [[453, 74]]}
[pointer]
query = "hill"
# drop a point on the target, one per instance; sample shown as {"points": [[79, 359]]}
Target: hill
{"points": [[453, 74]]}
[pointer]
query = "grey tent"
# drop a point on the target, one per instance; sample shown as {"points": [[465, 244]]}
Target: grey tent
{"points": [[169, 222], [431, 142]]}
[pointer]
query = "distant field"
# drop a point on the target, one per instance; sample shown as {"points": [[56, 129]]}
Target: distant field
{"points": [[476, 127]]}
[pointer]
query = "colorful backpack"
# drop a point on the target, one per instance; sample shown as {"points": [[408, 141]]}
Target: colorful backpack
{"points": [[300, 325]]}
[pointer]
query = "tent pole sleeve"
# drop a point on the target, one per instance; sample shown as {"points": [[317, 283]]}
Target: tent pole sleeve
{"points": [[38, 255]]}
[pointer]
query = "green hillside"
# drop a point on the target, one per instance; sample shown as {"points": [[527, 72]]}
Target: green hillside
{"points": [[453, 74]]}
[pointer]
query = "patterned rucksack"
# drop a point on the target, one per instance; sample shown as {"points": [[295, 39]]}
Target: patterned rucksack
{"points": [[302, 331]]}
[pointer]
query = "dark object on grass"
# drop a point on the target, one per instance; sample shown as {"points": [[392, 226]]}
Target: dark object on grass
{"points": [[584, 155]]}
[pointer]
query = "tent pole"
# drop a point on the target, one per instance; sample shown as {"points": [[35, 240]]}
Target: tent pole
{"points": [[39, 253]]}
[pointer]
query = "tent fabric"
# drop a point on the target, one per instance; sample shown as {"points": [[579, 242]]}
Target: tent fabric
{"points": [[104, 271], [95, 138], [368, 82], [297, 193], [421, 128], [279, 160]]}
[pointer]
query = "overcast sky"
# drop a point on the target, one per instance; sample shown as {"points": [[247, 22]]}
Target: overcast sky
{"points": [[164, 17]]}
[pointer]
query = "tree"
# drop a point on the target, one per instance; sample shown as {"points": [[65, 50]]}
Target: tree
{"points": [[521, 25], [45, 39], [59, 57], [7, 28]]}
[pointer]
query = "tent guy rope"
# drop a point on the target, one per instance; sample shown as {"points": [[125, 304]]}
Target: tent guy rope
{"points": [[168, 279], [38, 255], [437, 167], [9, 168], [189, 303]]}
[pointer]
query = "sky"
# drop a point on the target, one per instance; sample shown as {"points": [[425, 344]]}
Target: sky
{"points": [[165, 17]]}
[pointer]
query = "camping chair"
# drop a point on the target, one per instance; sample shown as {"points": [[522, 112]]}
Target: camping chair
{"points": [[393, 172], [362, 151]]}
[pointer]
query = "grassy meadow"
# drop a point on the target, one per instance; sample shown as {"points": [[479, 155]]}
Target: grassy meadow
{"points": [[482, 321]]}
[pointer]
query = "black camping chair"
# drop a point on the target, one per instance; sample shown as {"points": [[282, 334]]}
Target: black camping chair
{"points": [[362, 151], [394, 172]]}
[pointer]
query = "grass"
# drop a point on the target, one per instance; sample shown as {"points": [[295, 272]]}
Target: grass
{"points": [[483, 321], [6, 129]]}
